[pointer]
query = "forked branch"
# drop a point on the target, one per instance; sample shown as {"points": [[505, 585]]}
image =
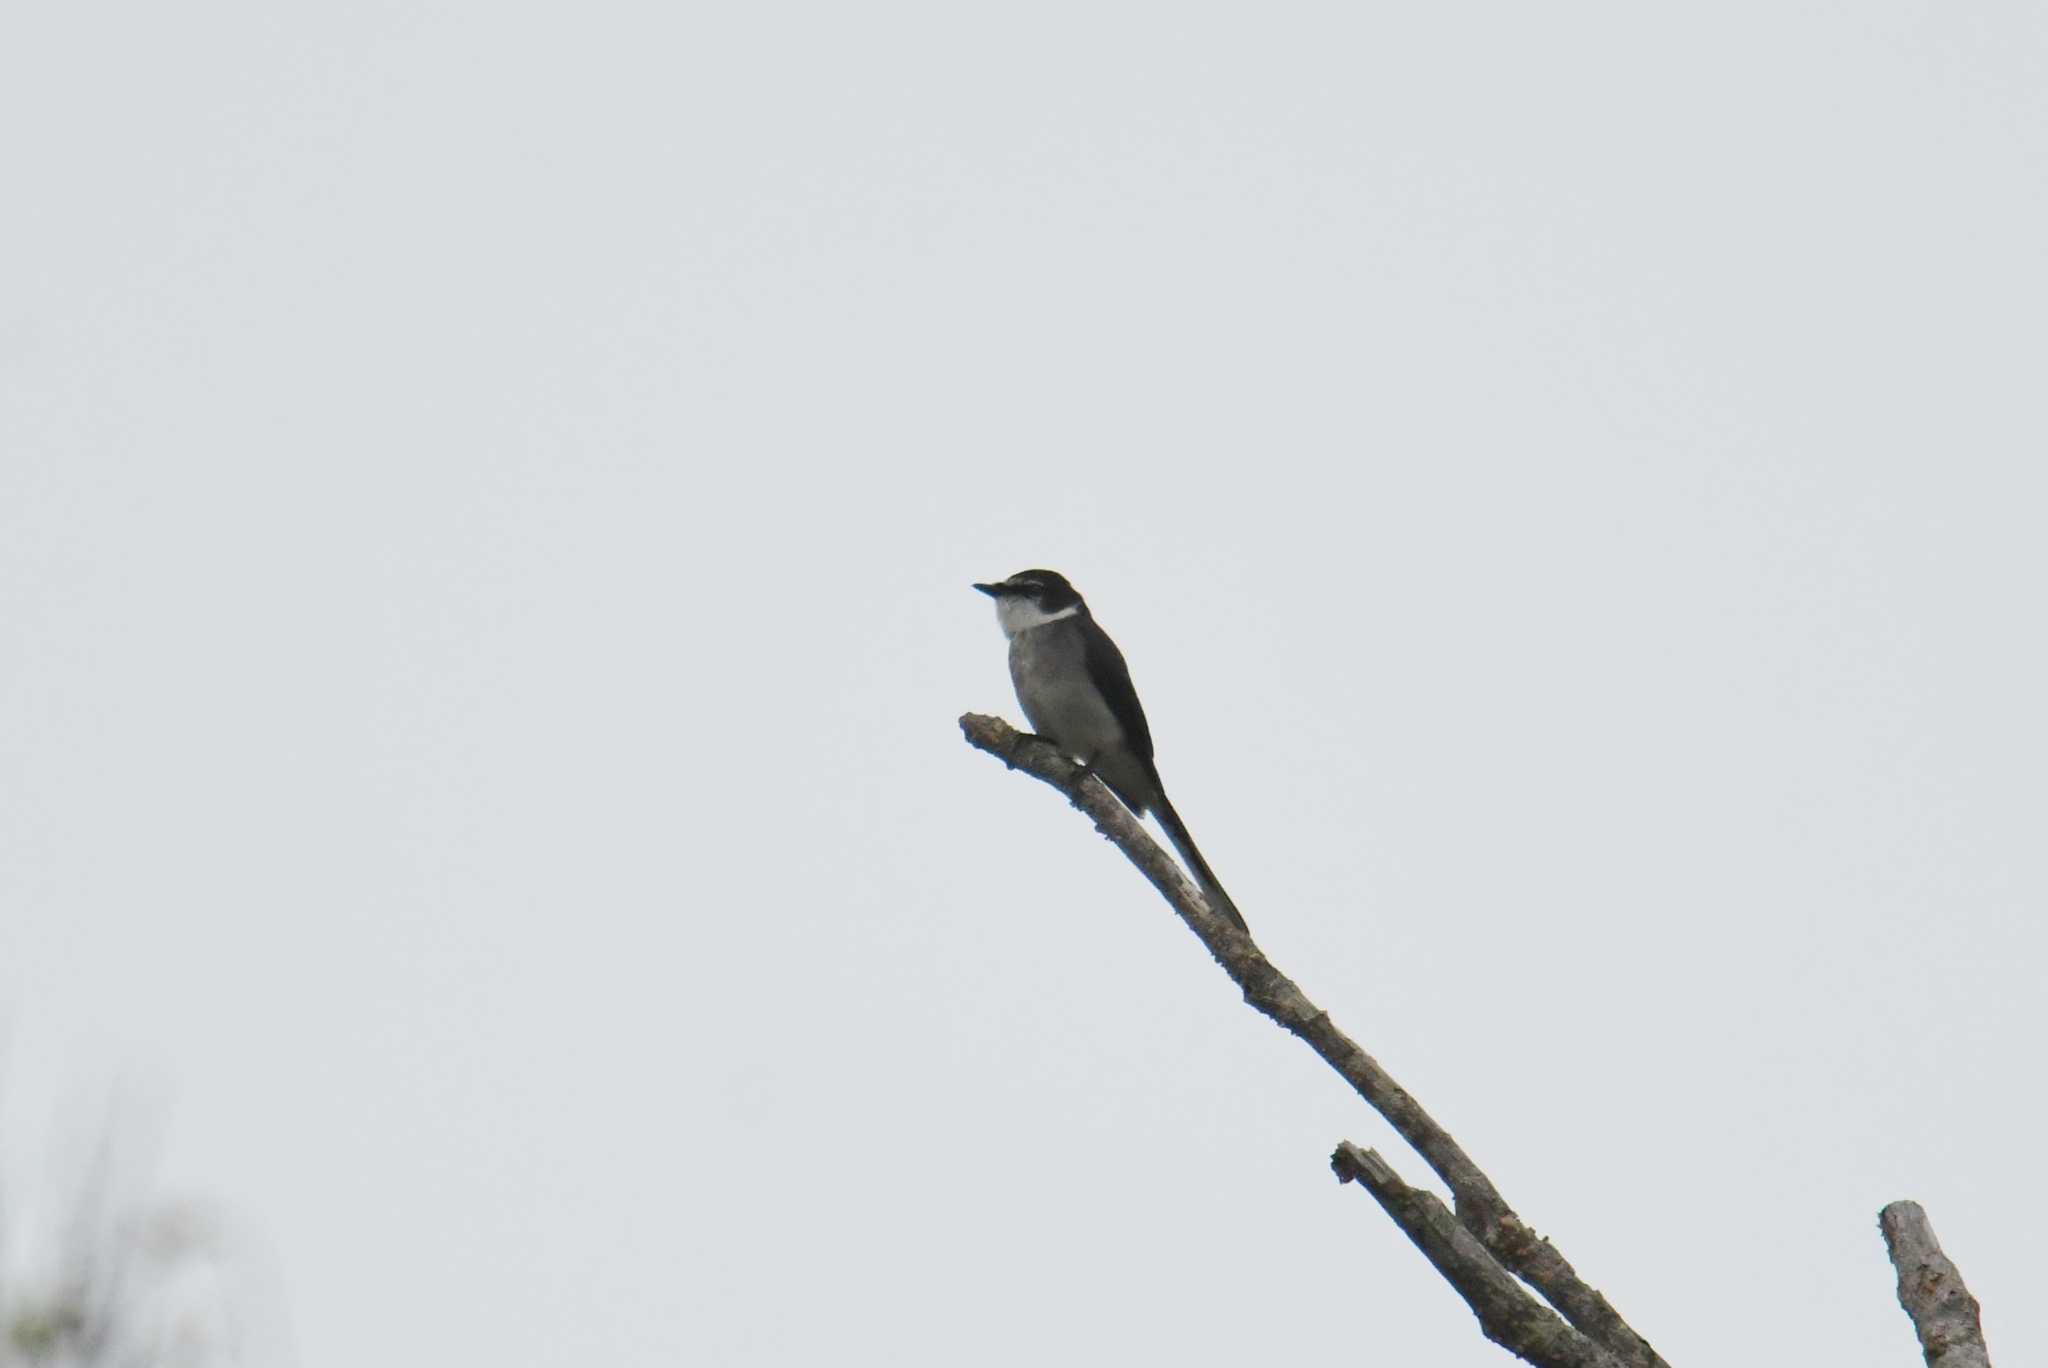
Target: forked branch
{"points": [[1481, 1211], [1507, 1314]]}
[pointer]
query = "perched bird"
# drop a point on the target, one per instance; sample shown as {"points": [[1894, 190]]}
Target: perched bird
{"points": [[1077, 692]]}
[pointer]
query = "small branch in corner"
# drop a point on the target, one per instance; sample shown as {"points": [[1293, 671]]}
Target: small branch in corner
{"points": [[1943, 1312]]}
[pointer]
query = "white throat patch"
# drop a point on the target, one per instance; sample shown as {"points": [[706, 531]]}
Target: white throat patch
{"points": [[1019, 614]]}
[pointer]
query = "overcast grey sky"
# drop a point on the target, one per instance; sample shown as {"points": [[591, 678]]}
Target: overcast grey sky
{"points": [[487, 499]]}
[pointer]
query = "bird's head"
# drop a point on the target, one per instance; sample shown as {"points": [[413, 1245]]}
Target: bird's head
{"points": [[1032, 598]]}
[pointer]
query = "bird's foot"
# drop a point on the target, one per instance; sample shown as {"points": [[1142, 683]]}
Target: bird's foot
{"points": [[1028, 736]]}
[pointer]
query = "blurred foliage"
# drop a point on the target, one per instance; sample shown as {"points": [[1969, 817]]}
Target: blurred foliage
{"points": [[98, 1271]]}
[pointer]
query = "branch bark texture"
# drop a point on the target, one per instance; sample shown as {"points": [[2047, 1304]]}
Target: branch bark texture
{"points": [[1480, 1209], [1944, 1314]]}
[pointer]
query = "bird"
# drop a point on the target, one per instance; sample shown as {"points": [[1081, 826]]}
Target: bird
{"points": [[1076, 690]]}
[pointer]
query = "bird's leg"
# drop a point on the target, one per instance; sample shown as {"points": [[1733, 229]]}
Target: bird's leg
{"points": [[1086, 762]]}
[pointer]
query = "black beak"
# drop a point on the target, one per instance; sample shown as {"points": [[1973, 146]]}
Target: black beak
{"points": [[992, 590]]}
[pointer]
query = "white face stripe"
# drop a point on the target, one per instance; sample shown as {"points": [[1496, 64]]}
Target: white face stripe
{"points": [[1019, 614]]}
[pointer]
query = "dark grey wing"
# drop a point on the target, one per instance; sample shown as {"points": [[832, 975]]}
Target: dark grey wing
{"points": [[1106, 667]]}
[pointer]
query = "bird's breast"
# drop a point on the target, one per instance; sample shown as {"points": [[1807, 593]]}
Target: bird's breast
{"points": [[1049, 667]]}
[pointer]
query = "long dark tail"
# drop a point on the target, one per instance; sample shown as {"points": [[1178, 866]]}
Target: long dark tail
{"points": [[1199, 867]]}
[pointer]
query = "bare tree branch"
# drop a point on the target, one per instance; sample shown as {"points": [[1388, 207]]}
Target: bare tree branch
{"points": [[1507, 1314], [1944, 1313], [1481, 1209]]}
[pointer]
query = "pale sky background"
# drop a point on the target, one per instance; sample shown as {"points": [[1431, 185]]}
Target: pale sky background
{"points": [[487, 500]]}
